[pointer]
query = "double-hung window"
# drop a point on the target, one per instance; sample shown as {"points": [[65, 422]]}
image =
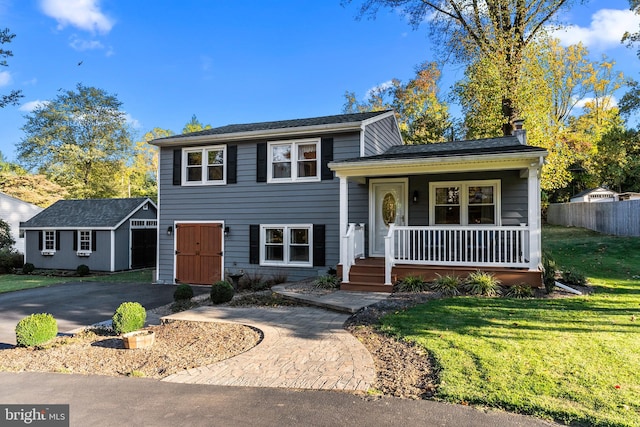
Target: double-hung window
{"points": [[294, 160], [49, 241], [204, 165], [84, 242], [465, 203], [286, 245]]}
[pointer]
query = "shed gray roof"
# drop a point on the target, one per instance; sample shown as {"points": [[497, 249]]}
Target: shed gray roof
{"points": [[281, 124], [89, 213], [505, 144]]}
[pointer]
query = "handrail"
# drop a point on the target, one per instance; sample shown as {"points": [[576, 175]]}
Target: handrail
{"points": [[353, 247], [389, 258]]}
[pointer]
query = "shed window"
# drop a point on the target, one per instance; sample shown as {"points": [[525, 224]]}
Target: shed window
{"points": [[49, 240], [84, 241]]}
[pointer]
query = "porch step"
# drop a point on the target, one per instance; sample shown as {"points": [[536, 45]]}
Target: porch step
{"points": [[366, 287]]}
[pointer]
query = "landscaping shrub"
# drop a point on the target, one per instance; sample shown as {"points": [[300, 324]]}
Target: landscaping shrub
{"points": [[83, 270], [221, 291], [36, 329], [448, 285], [521, 290], [279, 277], [129, 317], [326, 282], [548, 273], [572, 277], [411, 284], [10, 260], [253, 281], [28, 268], [183, 292], [482, 283]]}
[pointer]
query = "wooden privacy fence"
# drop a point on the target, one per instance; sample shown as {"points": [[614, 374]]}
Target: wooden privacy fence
{"points": [[617, 218]]}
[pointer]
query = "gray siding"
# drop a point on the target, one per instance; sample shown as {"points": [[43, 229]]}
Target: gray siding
{"points": [[380, 135], [250, 202], [66, 258], [513, 201]]}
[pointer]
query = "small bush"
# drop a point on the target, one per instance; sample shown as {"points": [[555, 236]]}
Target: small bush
{"points": [[83, 270], [572, 277], [448, 285], [482, 283], [10, 260], [278, 278], [521, 290], [253, 281], [183, 292], [326, 282], [36, 329], [548, 273], [411, 284], [221, 291], [28, 268], [331, 271], [129, 317]]}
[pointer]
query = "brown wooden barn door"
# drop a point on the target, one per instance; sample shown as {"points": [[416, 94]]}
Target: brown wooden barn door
{"points": [[198, 253]]}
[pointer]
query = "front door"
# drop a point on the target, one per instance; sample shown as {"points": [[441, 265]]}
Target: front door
{"points": [[387, 205], [198, 253]]}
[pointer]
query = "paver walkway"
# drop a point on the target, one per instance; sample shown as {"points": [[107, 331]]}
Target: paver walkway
{"points": [[302, 347]]}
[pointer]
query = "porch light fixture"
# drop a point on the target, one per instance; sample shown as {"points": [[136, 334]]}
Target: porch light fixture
{"points": [[226, 231], [169, 230], [415, 196]]}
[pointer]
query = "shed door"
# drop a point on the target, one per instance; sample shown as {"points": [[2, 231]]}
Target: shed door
{"points": [[143, 247], [198, 253]]}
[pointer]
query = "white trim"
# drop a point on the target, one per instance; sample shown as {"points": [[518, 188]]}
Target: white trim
{"points": [[285, 245], [464, 205], [175, 234], [80, 251], [147, 200], [294, 160], [204, 165], [372, 207], [113, 250]]}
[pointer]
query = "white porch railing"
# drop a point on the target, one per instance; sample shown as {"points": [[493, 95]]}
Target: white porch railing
{"points": [[468, 246], [353, 245]]}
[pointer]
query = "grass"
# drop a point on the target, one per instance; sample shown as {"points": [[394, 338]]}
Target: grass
{"points": [[17, 282], [574, 360]]}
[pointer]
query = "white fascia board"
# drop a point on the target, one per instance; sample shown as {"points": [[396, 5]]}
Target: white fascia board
{"points": [[147, 200], [68, 228], [259, 134], [438, 164]]}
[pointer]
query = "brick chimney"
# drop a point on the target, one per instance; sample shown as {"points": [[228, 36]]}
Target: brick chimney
{"points": [[519, 132]]}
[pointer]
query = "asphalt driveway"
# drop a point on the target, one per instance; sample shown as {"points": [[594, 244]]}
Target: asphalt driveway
{"points": [[75, 305]]}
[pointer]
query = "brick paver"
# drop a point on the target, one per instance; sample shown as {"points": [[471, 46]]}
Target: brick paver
{"points": [[302, 347]]}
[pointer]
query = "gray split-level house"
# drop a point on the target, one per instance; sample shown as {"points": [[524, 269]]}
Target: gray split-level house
{"points": [[104, 234], [297, 197]]}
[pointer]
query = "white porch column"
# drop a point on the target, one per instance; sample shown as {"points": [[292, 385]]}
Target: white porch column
{"points": [[344, 213], [535, 221]]}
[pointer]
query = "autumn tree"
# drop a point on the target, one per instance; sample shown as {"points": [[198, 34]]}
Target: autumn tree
{"points": [[422, 116], [497, 31], [143, 170], [35, 189], [194, 125], [80, 140], [14, 96]]}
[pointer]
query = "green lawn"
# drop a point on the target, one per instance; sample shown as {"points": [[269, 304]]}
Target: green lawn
{"points": [[16, 282], [575, 360]]}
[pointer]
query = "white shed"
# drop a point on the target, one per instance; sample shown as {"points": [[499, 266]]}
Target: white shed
{"points": [[13, 211], [599, 194]]}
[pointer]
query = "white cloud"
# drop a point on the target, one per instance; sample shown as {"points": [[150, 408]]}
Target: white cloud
{"points": [[610, 101], [81, 45], [82, 14], [5, 78], [378, 88], [134, 123], [605, 30], [32, 105]]}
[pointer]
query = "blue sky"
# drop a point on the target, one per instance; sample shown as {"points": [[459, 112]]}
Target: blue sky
{"points": [[233, 61]]}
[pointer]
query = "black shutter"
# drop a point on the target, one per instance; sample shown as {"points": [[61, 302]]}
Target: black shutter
{"points": [[57, 240], [177, 166], [94, 245], [326, 156], [254, 244], [75, 240], [261, 162], [232, 164], [318, 245], [40, 239]]}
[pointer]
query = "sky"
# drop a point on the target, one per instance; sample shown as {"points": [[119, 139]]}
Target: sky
{"points": [[236, 61]]}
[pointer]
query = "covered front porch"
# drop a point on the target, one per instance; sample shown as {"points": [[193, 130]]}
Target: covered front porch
{"points": [[450, 209]]}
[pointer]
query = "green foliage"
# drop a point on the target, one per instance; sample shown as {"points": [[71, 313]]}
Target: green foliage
{"points": [[412, 284], [10, 260], [183, 292], [326, 282], [221, 292], [83, 270], [448, 285], [548, 272], [129, 317], [36, 329], [194, 125], [6, 240], [28, 268], [573, 277], [520, 290], [13, 98], [482, 283]]}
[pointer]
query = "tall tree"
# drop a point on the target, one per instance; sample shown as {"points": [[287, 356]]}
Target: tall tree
{"points": [[143, 170], [498, 31], [194, 125], [14, 96], [630, 102], [80, 140], [36, 189], [422, 117]]}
